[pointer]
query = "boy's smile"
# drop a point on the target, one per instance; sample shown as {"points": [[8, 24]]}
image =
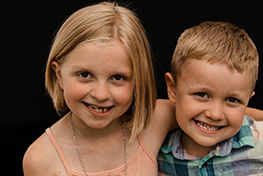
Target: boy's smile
{"points": [[207, 127], [210, 102]]}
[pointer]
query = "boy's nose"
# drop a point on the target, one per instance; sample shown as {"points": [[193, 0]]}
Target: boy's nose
{"points": [[215, 111], [100, 92]]}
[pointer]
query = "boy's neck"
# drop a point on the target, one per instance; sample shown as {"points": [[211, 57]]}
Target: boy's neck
{"points": [[193, 148]]}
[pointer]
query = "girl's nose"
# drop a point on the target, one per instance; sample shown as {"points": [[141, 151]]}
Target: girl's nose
{"points": [[100, 92]]}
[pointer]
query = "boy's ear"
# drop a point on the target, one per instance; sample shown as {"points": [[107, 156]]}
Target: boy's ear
{"points": [[171, 88], [56, 68]]}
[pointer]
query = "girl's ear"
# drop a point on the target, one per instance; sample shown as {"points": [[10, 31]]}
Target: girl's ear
{"points": [[56, 68], [171, 88], [253, 93]]}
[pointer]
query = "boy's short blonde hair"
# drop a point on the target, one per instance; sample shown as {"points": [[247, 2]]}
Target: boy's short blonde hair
{"points": [[103, 23], [216, 42]]}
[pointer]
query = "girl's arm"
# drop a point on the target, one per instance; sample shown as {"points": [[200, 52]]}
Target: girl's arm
{"points": [[255, 113], [163, 120]]}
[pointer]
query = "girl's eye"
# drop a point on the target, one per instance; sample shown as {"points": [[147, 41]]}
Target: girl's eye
{"points": [[202, 94], [84, 74], [118, 77], [232, 100]]}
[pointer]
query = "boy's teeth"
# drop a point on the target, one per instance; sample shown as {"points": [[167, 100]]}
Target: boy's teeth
{"points": [[98, 109], [207, 127]]}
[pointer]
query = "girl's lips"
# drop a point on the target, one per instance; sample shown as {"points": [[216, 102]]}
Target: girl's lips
{"points": [[98, 109]]}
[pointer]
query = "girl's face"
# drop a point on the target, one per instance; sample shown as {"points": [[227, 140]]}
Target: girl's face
{"points": [[97, 81]]}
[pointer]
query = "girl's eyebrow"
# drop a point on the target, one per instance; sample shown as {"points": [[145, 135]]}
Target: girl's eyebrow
{"points": [[121, 71], [76, 66], [79, 67]]}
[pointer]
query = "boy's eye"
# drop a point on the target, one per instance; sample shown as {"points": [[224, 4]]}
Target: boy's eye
{"points": [[202, 94], [117, 77], [232, 100], [84, 74]]}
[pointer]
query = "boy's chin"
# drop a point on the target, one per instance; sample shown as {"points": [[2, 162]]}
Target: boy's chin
{"points": [[210, 142]]}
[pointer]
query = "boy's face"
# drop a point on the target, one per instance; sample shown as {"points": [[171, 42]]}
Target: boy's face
{"points": [[210, 102]]}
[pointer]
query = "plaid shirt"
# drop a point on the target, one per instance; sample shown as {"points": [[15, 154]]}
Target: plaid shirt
{"points": [[241, 154]]}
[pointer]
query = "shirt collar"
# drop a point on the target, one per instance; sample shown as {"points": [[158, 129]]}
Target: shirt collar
{"points": [[244, 137]]}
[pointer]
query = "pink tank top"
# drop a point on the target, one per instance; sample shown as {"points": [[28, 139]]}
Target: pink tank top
{"points": [[141, 163]]}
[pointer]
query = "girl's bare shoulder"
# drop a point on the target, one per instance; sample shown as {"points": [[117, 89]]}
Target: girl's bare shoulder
{"points": [[41, 158]]}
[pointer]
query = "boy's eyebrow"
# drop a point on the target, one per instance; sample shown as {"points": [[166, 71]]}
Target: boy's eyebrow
{"points": [[197, 85], [200, 87]]}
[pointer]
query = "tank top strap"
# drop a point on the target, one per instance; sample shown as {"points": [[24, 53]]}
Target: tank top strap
{"points": [[146, 150], [58, 149], [141, 141]]}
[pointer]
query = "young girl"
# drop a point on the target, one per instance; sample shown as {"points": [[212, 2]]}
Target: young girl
{"points": [[100, 70]]}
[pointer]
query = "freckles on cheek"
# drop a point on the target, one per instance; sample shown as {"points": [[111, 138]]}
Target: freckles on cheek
{"points": [[124, 95], [187, 109], [235, 119], [182, 105], [73, 92]]}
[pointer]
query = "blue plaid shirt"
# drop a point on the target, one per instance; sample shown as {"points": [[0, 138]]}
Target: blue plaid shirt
{"points": [[239, 155]]}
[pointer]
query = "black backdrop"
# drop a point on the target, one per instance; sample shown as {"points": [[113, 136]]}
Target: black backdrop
{"points": [[27, 30]]}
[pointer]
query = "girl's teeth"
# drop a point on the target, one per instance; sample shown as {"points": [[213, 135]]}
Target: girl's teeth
{"points": [[207, 127], [98, 109]]}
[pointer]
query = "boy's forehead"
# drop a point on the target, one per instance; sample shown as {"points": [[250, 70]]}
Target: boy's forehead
{"points": [[202, 71], [194, 61]]}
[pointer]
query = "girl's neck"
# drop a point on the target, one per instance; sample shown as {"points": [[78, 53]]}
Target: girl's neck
{"points": [[83, 131]]}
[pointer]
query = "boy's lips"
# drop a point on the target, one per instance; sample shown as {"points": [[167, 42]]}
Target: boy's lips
{"points": [[97, 108], [208, 127]]}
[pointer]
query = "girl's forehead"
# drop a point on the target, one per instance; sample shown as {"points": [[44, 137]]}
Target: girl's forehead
{"points": [[113, 46], [93, 55]]}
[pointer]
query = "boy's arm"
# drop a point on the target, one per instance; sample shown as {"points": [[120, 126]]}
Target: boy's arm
{"points": [[255, 113]]}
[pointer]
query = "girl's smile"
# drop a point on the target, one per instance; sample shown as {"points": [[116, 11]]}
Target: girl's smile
{"points": [[96, 89], [98, 111], [97, 108]]}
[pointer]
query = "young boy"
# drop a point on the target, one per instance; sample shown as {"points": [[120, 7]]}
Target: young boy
{"points": [[213, 74]]}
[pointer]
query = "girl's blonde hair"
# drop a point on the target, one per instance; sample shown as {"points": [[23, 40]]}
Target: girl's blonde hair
{"points": [[106, 22], [216, 42]]}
